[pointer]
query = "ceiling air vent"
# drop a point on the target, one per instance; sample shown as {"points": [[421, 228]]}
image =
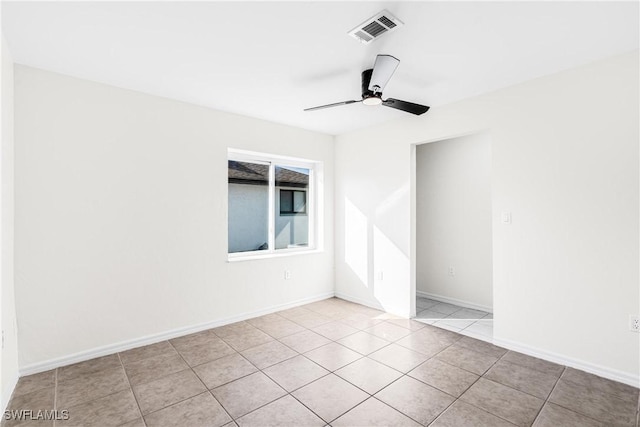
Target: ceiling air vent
{"points": [[375, 27]]}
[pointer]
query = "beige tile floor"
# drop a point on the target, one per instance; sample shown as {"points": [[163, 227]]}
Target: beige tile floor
{"points": [[330, 362], [473, 323]]}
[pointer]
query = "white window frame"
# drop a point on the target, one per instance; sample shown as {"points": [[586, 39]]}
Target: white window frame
{"points": [[313, 203]]}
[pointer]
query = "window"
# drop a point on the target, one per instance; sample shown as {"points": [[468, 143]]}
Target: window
{"points": [[293, 202], [271, 204]]}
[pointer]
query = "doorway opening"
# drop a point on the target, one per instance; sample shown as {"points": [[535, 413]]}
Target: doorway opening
{"points": [[453, 235]]}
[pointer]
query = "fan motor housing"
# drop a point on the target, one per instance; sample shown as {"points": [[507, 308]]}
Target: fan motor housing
{"points": [[366, 79]]}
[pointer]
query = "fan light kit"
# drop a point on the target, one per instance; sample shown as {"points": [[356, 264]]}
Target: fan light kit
{"points": [[373, 83], [372, 100]]}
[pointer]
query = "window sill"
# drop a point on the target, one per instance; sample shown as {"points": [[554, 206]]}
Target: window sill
{"points": [[274, 255]]}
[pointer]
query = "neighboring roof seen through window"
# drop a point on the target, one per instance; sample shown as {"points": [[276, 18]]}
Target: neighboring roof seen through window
{"points": [[258, 174]]}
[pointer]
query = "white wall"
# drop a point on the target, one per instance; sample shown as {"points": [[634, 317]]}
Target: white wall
{"points": [[565, 164], [9, 359], [373, 221], [453, 220], [121, 217]]}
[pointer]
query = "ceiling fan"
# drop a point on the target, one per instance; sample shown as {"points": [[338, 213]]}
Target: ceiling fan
{"points": [[373, 83]]}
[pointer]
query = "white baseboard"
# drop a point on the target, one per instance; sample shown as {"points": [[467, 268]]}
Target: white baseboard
{"points": [[8, 391], [360, 301], [601, 371], [34, 368], [454, 301], [46, 365], [372, 304]]}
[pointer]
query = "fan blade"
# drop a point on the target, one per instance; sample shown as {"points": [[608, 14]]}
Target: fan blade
{"points": [[409, 107], [383, 69], [331, 105]]}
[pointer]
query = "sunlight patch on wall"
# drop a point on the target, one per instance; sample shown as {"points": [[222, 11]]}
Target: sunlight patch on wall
{"points": [[391, 217], [391, 267], [356, 241]]}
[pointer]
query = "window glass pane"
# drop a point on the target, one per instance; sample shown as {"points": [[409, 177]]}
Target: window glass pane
{"points": [[248, 206], [286, 201], [292, 221], [300, 201]]}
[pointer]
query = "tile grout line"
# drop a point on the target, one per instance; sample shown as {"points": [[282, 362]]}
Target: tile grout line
{"points": [[329, 371], [478, 379], [448, 316], [471, 385], [276, 339], [207, 390], [404, 374], [344, 379], [290, 393], [287, 393], [55, 395], [455, 399], [369, 395], [544, 400], [199, 379], [131, 388], [570, 409], [244, 376], [549, 395], [397, 409], [261, 370], [638, 412], [613, 395], [302, 403], [98, 398], [57, 382], [529, 394]]}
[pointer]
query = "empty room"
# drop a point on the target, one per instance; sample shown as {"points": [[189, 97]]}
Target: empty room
{"points": [[234, 213]]}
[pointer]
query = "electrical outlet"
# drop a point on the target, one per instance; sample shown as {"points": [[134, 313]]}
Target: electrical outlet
{"points": [[380, 275], [506, 217], [452, 271], [634, 323], [287, 274]]}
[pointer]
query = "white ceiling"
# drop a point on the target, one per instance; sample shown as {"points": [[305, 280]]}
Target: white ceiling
{"points": [[272, 59]]}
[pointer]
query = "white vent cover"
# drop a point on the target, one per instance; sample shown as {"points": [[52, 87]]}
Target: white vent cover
{"points": [[376, 26]]}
